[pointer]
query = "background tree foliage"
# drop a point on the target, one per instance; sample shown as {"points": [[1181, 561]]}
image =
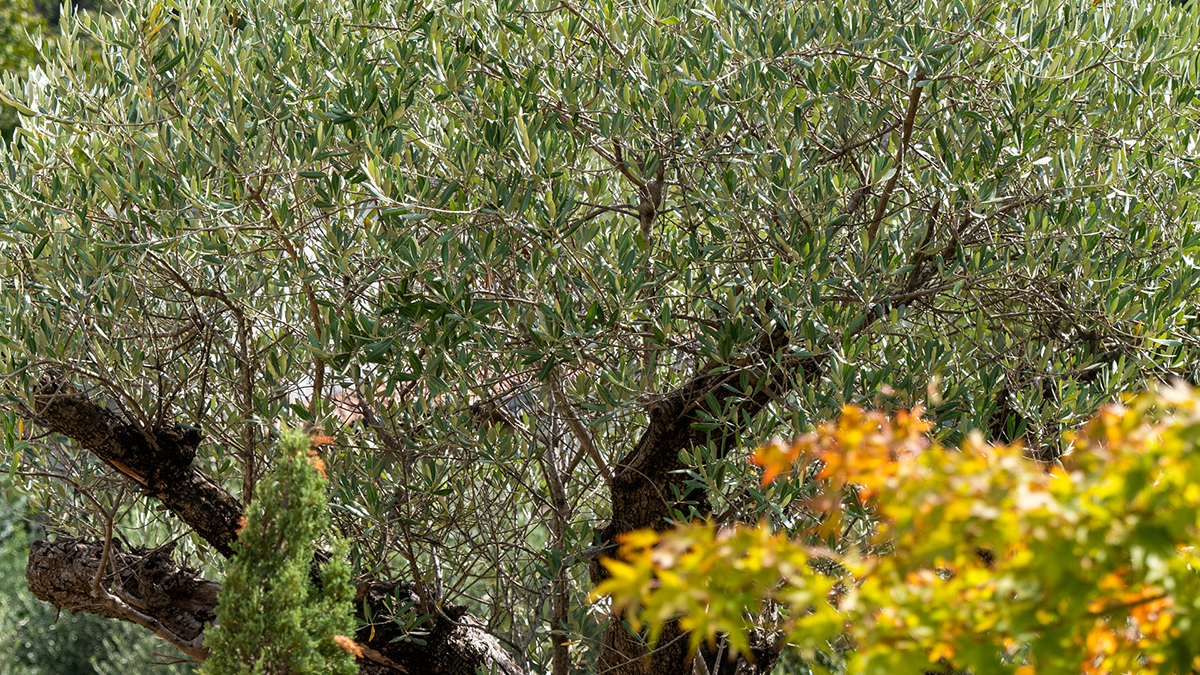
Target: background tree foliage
{"points": [[18, 24], [547, 269]]}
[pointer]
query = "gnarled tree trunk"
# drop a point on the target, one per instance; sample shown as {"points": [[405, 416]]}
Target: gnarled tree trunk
{"points": [[647, 479]]}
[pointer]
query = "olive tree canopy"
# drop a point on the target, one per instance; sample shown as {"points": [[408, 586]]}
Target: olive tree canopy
{"points": [[546, 270]]}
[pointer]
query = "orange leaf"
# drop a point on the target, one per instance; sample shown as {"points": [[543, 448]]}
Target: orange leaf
{"points": [[1101, 640], [317, 463], [775, 457], [348, 645]]}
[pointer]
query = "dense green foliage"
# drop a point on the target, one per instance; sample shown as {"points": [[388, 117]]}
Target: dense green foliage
{"points": [[429, 214], [271, 618]]}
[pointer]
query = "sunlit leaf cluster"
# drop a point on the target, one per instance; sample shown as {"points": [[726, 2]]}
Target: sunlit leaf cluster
{"points": [[980, 559]]}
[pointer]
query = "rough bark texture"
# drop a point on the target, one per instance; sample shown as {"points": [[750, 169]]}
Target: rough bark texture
{"points": [[645, 483], [456, 643], [149, 589], [159, 458]]}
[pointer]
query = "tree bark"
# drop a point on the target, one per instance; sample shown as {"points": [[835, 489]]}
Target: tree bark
{"points": [[147, 588], [158, 459]]}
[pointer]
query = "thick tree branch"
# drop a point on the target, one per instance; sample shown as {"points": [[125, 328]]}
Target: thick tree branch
{"points": [[647, 480], [149, 589], [652, 463], [159, 459]]}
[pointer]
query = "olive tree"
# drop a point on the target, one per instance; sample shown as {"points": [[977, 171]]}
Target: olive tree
{"points": [[546, 270]]}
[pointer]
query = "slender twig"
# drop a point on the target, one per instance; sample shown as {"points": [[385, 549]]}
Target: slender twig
{"points": [[914, 102]]}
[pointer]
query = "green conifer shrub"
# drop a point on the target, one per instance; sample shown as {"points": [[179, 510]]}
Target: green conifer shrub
{"points": [[272, 619]]}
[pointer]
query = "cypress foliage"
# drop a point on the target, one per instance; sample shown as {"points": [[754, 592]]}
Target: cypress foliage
{"points": [[272, 619]]}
